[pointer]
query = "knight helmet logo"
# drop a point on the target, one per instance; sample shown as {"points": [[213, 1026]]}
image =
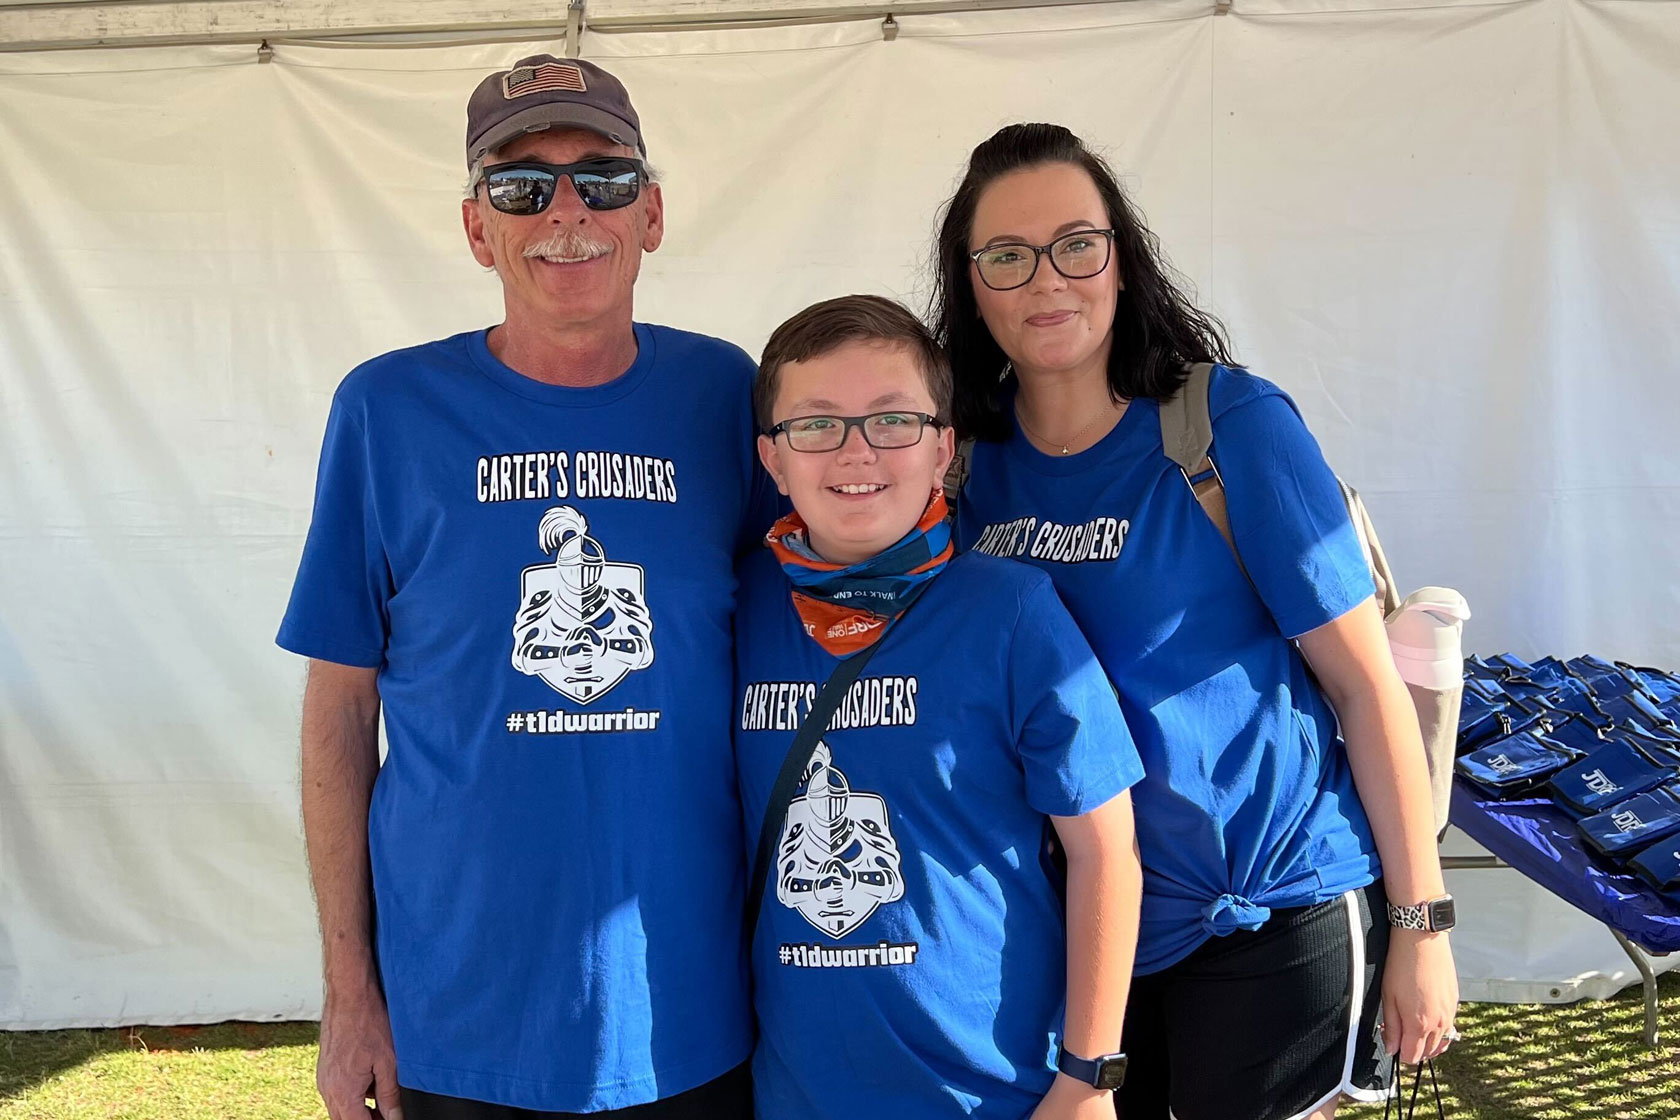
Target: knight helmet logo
{"points": [[583, 622], [836, 860]]}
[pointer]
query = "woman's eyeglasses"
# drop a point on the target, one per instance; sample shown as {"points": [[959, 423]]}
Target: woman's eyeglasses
{"points": [[527, 187], [1011, 264]]}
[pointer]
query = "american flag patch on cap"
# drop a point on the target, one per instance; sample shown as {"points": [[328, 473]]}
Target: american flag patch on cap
{"points": [[540, 79]]}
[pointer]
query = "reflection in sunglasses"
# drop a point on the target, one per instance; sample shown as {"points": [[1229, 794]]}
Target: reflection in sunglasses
{"points": [[528, 187]]}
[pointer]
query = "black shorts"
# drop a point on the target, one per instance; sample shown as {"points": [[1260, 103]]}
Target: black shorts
{"points": [[1269, 1024], [725, 1098]]}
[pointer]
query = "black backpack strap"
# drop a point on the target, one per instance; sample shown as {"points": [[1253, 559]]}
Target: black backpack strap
{"points": [[793, 767]]}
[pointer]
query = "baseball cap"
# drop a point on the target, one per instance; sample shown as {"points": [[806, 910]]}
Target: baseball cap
{"points": [[542, 92]]}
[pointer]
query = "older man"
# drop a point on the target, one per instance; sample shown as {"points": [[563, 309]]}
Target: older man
{"points": [[521, 553]]}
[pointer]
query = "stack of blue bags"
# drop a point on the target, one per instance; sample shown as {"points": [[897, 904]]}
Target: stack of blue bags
{"points": [[1600, 739]]}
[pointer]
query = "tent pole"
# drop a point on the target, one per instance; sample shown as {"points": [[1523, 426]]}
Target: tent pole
{"points": [[43, 25], [574, 26]]}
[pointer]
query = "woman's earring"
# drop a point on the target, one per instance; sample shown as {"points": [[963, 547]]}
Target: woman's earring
{"points": [[1008, 369]]}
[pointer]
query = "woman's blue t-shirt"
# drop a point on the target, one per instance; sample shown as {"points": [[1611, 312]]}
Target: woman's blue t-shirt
{"points": [[910, 957], [1248, 802]]}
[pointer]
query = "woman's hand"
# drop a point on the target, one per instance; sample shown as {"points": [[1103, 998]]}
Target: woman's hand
{"points": [[1351, 659], [1420, 995], [1071, 1100]]}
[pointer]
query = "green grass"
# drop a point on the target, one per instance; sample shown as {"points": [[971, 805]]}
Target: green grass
{"points": [[1579, 1061], [247, 1071], [1583, 1061]]}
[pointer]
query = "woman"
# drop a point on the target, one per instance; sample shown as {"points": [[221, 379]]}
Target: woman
{"points": [[1270, 850], [911, 959]]}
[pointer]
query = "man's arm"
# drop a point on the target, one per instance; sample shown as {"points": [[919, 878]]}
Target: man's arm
{"points": [[340, 759]]}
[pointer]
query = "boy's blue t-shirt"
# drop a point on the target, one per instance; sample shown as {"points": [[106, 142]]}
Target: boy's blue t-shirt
{"points": [[543, 577], [1248, 802], [910, 957]]}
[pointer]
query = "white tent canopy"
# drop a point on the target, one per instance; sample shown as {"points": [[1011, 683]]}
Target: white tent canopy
{"points": [[68, 24], [1451, 230]]}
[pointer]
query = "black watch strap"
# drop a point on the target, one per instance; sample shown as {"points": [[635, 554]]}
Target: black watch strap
{"points": [[1107, 1071]]}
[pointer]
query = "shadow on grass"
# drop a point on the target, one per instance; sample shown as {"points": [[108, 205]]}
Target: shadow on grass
{"points": [[1582, 1061], [1591, 1064], [29, 1058]]}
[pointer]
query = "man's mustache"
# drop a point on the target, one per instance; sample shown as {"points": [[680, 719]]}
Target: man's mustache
{"points": [[570, 245]]}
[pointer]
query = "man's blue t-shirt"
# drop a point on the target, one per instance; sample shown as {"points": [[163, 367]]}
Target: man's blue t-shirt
{"points": [[1248, 801], [544, 578], [910, 957]]}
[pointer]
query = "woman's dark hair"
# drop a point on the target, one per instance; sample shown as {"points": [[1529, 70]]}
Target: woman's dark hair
{"points": [[1157, 330]]}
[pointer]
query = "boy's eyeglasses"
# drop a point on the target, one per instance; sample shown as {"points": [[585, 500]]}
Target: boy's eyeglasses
{"points": [[1011, 264], [883, 430], [527, 186]]}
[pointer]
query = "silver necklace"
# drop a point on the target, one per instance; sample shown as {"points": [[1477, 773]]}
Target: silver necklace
{"points": [[1064, 444]]}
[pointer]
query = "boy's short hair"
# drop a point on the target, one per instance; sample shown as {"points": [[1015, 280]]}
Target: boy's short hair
{"points": [[828, 325]]}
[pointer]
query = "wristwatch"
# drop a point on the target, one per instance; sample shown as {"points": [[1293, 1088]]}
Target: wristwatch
{"points": [[1433, 915], [1105, 1072]]}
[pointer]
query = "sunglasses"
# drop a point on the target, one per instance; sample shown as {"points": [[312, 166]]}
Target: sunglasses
{"points": [[527, 187]]}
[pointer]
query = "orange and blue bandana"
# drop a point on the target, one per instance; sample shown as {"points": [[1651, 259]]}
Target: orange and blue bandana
{"points": [[845, 606]]}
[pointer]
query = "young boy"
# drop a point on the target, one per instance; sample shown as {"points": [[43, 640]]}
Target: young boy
{"points": [[911, 957]]}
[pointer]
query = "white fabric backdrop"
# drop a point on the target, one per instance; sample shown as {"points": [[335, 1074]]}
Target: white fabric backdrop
{"points": [[1452, 231]]}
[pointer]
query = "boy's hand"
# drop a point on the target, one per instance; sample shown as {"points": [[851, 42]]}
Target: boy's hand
{"points": [[1072, 1100]]}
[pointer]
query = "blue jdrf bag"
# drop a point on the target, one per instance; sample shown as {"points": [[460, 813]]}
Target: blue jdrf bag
{"points": [[1502, 724], [1606, 688], [1613, 773], [1507, 664], [1630, 708], [1481, 699], [1479, 668], [1664, 687], [1574, 696], [1550, 672], [1578, 732], [1631, 825], [1660, 749], [1659, 865], [1590, 668], [1515, 764]]}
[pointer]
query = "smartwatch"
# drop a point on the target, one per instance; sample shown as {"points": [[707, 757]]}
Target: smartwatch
{"points": [[1435, 915], [1107, 1071]]}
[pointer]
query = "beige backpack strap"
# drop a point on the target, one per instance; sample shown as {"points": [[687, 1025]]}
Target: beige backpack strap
{"points": [[956, 475], [1388, 593], [1187, 437], [1187, 422]]}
